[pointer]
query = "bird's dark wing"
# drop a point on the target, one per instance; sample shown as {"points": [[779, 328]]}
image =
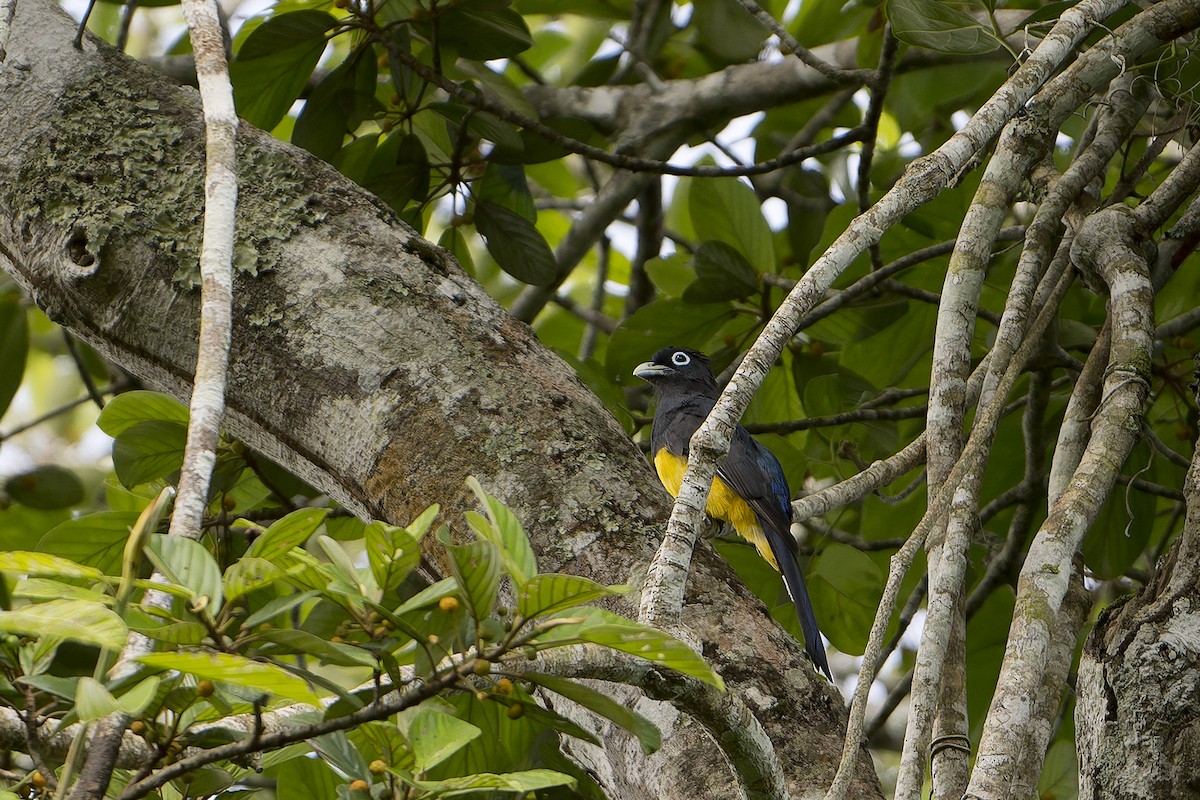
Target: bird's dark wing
{"points": [[755, 474]]}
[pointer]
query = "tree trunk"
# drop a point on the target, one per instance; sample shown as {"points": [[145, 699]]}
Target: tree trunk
{"points": [[1137, 716], [367, 362]]}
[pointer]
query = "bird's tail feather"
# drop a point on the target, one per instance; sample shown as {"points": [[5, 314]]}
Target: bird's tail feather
{"points": [[793, 579]]}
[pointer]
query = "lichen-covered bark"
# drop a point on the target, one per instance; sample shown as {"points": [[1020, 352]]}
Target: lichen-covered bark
{"points": [[364, 360], [1139, 682]]}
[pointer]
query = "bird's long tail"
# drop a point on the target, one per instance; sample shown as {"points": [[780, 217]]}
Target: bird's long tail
{"points": [[793, 579]]}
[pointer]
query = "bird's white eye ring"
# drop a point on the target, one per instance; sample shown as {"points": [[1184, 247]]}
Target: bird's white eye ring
{"points": [[680, 359]]}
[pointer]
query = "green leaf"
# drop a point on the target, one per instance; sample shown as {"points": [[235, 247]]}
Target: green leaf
{"points": [[14, 347], [726, 31], [476, 567], [547, 594], [236, 670], [845, 585], [290, 531], [44, 564], [248, 574], [436, 736], [1060, 773], [605, 628], [280, 605], [39, 589], [509, 535], [938, 25], [647, 733], [165, 630], [129, 408], [188, 563], [337, 105], [275, 62], [392, 552], [722, 273], [307, 779], [47, 488], [528, 781], [343, 655], [148, 450], [399, 170], [73, 620], [506, 186], [727, 210], [93, 701], [134, 701], [94, 540], [481, 33], [518, 246]]}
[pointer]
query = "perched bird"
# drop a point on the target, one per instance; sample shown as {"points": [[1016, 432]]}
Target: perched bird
{"points": [[750, 491]]}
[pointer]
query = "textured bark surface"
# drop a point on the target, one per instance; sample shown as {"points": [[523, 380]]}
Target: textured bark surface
{"points": [[365, 361], [1139, 683]]}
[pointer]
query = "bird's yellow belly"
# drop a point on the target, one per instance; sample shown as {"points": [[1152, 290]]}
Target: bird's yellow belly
{"points": [[723, 503]]}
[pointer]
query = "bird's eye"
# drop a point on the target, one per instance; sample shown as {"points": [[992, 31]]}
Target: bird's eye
{"points": [[681, 359]]}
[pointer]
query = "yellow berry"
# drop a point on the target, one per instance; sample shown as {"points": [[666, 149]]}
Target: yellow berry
{"points": [[377, 767], [138, 727], [448, 604], [434, 638], [504, 686], [205, 688], [515, 711], [37, 780], [359, 786]]}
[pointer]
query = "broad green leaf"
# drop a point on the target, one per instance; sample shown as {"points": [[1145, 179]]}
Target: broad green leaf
{"points": [[45, 589], [392, 552], [165, 630], [73, 620], [307, 779], [506, 186], [129, 408], [94, 540], [672, 274], [722, 273], [337, 105], [341, 563], [93, 701], [420, 526], [547, 594], [45, 564], [295, 641], [188, 563], [236, 670], [476, 567], [148, 450], [511, 537], [1060, 772], [288, 532], [429, 596], [46, 487], [280, 605], [726, 31], [14, 347], [436, 736], [940, 26], [845, 585], [134, 701], [527, 781], [652, 645], [482, 33], [727, 210], [647, 733], [399, 170], [518, 247], [247, 574], [275, 62], [337, 749]]}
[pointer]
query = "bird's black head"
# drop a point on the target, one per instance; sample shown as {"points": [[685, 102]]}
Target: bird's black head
{"points": [[678, 367]]}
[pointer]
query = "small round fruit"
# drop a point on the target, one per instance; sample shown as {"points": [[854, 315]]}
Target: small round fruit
{"points": [[360, 786], [448, 604], [515, 711], [377, 767], [205, 688]]}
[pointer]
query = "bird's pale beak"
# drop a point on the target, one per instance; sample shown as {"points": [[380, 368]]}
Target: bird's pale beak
{"points": [[648, 369]]}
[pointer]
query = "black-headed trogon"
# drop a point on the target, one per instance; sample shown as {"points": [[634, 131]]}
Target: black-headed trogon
{"points": [[750, 491]]}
